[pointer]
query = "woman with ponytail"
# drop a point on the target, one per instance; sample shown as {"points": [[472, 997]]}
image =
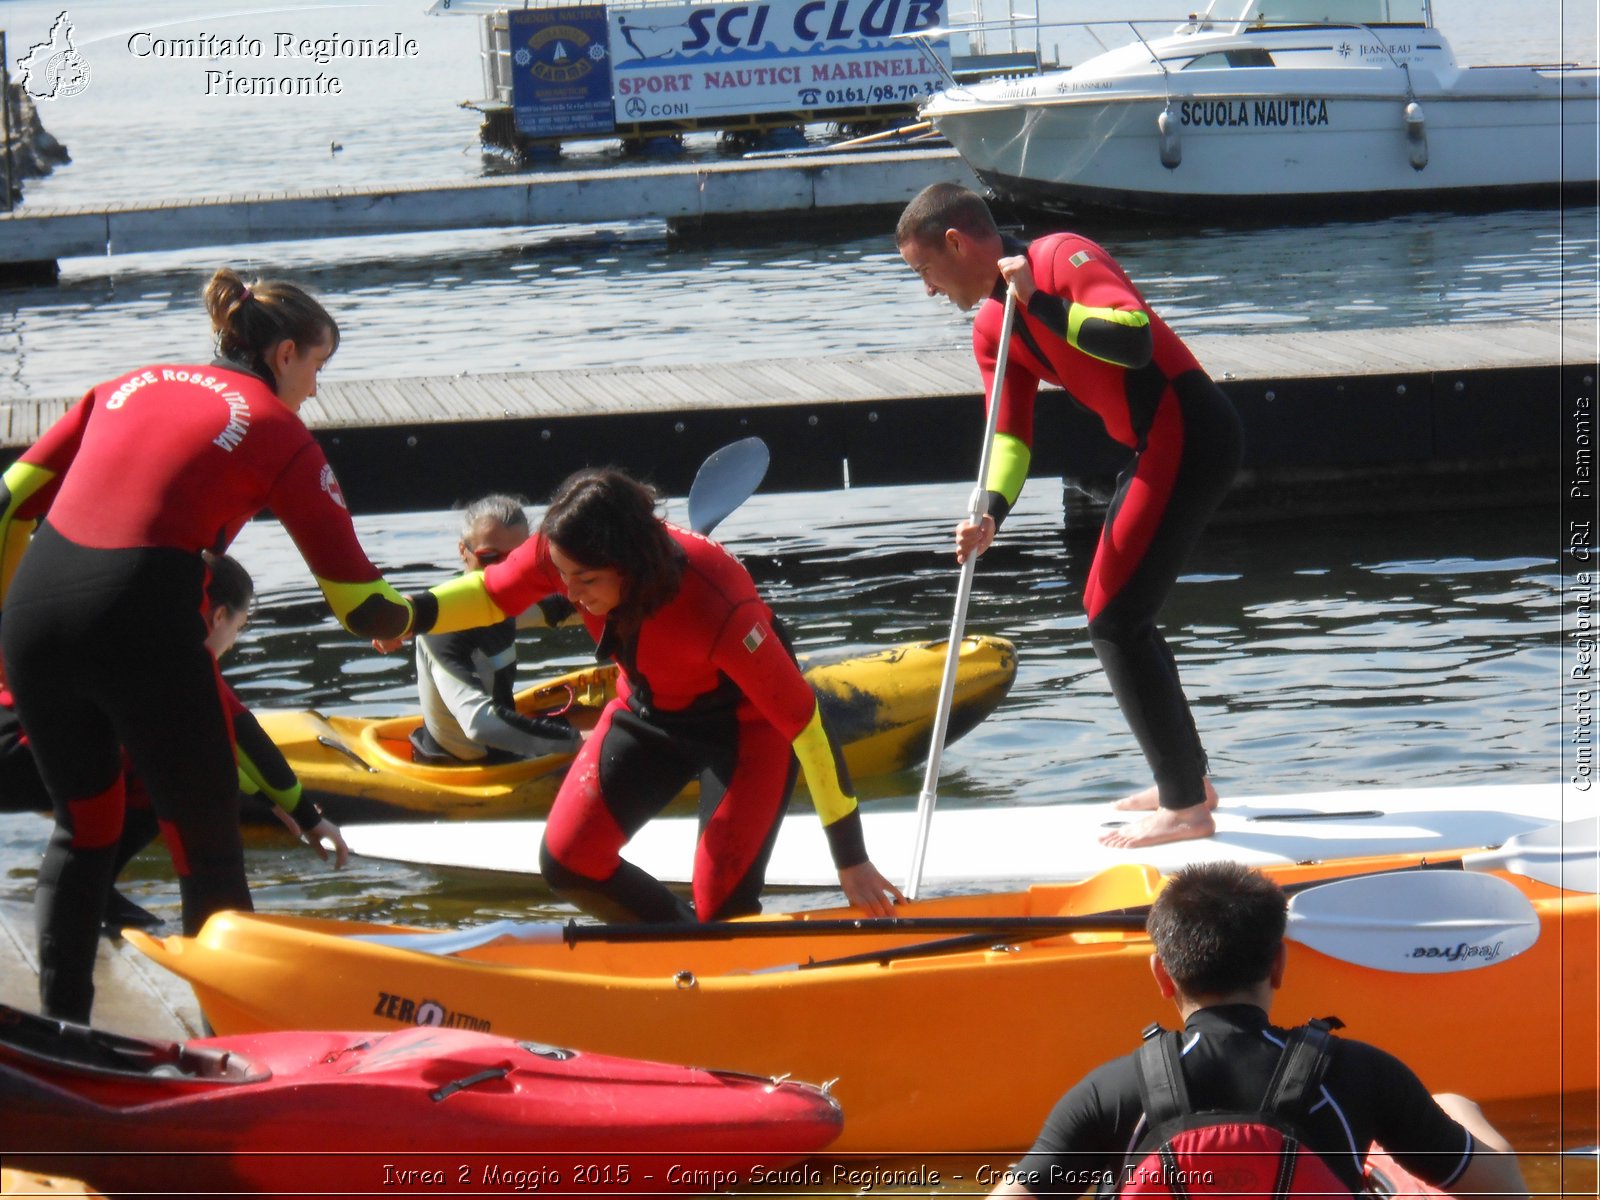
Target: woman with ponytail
{"points": [[102, 621]]}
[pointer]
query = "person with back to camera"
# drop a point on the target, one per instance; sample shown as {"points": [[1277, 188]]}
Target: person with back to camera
{"points": [[707, 689], [1218, 934], [466, 680], [103, 634], [263, 770], [1082, 324]]}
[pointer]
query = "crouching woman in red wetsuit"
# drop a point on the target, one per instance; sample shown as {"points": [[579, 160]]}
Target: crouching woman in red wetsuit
{"points": [[103, 633], [707, 690]]}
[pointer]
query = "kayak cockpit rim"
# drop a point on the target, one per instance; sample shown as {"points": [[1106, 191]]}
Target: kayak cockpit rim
{"points": [[65, 1047]]}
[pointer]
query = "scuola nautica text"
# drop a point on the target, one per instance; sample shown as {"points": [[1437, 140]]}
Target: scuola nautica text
{"points": [[1307, 111]]}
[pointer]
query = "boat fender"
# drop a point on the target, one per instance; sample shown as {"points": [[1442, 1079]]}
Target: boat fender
{"points": [[1171, 139], [1417, 135]]}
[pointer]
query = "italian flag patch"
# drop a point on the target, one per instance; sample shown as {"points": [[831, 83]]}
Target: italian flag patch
{"points": [[753, 639], [1081, 257]]}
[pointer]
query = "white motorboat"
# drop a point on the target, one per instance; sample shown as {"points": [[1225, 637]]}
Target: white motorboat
{"points": [[1277, 106]]}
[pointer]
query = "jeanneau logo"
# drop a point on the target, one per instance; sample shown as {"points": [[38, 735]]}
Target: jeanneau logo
{"points": [[53, 69]]}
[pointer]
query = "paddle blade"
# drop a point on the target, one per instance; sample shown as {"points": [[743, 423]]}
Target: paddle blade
{"points": [[448, 942], [725, 481], [1416, 923], [1564, 856]]}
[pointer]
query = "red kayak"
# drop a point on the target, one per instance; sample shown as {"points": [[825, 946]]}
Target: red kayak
{"points": [[424, 1110]]}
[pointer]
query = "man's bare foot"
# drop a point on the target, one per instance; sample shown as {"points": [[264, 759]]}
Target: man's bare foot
{"points": [[1150, 799], [1160, 827]]}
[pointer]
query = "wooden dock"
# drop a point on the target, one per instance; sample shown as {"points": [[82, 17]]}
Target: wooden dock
{"points": [[684, 194], [132, 994], [1457, 414]]}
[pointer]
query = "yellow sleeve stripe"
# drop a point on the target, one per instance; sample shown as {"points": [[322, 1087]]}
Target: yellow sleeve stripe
{"points": [[346, 598], [15, 537], [464, 604], [1077, 314], [815, 752], [253, 783], [1103, 333], [1009, 460], [22, 480], [19, 481]]}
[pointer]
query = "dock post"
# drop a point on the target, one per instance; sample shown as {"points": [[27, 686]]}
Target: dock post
{"points": [[5, 117]]}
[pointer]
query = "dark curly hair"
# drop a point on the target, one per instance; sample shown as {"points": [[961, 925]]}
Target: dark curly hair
{"points": [[603, 517]]}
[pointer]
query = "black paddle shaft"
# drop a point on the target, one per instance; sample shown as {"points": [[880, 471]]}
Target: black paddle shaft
{"points": [[1116, 919], [573, 933]]}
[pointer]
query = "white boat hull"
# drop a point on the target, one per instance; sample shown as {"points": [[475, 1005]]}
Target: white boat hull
{"points": [[1330, 133], [1020, 845]]}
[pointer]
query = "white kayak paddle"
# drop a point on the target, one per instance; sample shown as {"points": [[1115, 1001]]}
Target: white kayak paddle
{"points": [[977, 509], [1565, 856], [726, 480], [1407, 922], [1421, 922]]}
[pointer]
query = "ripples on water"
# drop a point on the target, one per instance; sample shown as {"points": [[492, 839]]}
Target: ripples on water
{"points": [[616, 296], [1332, 658], [510, 300], [1320, 655]]}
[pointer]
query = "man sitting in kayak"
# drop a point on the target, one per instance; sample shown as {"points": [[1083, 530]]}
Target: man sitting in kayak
{"points": [[1218, 931], [707, 690], [466, 680]]}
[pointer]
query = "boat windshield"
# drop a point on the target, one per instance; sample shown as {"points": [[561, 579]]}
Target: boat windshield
{"points": [[1319, 12]]}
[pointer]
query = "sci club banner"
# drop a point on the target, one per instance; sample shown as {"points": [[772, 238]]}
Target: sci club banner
{"points": [[694, 62]]}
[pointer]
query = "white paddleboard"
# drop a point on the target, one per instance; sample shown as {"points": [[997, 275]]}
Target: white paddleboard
{"points": [[1045, 843]]}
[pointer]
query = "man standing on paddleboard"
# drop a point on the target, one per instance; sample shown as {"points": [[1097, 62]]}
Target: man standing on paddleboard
{"points": [[1081, 324]]}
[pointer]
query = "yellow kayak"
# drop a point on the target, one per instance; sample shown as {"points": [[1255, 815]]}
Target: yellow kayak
{"points": [[960, 1050], [879, 705]]}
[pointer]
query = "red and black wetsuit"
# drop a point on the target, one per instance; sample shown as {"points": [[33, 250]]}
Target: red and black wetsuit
{"points": [[21, 789], [103, 635], [707, 690], [1089, 330], [263, 770]]}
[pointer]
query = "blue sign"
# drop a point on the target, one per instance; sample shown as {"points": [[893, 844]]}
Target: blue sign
{"points": [[561, 71]]}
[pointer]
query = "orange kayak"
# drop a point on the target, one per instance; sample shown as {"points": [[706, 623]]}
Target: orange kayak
{"points": [[947, 1052]]}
